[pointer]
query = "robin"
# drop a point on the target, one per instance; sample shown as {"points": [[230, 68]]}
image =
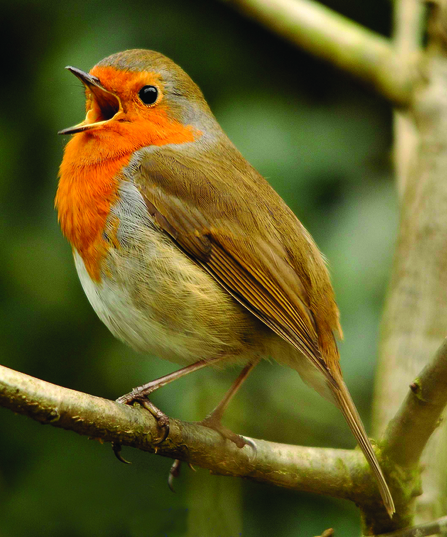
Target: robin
{"points": [[184, 250]]}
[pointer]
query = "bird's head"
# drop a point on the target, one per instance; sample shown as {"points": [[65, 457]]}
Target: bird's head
{"points": [[142, 95]]}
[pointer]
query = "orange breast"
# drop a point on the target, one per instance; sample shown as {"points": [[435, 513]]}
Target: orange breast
{"points": [[89, 179], [84, 197]]}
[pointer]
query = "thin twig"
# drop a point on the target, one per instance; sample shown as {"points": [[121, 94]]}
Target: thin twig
{"points": [[334, 38]]}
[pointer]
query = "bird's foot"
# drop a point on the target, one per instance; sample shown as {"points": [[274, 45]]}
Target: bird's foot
{"points": [[161, 418], [174, 472], [213, 422], [140, 393], [137, 396]]}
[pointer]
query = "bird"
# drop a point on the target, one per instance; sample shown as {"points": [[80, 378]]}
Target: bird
{"points": [[184, 250]]}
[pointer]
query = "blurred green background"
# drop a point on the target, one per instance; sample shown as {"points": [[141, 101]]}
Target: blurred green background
{"points": [[322, 140]]}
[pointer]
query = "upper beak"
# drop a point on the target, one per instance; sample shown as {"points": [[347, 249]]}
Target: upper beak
{"points": [[105, 105]]}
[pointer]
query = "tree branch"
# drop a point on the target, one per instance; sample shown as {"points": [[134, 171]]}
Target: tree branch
{"points": [[334, 472], [334, 38], [422, 530], [408, 26], [415, 316], [407, 41], [419, 415]]}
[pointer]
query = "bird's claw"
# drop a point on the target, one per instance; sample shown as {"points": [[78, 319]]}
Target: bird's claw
{"points": [[116, 447], [251, 443], [212, 423], [174, 472], [161, 418]]}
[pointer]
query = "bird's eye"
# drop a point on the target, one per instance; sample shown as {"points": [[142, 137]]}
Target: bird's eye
{"points": [[148, 94]]}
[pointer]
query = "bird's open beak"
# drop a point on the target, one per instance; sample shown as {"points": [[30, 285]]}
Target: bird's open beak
{"points": [[105, 105]]}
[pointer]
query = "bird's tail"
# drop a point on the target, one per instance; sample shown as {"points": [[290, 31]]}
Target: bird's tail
{"points": [[347, 406]]}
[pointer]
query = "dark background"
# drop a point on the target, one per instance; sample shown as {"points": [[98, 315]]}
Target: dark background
{"points": [[321, 139]]}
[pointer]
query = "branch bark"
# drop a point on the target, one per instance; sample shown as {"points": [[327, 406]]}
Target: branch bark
{"points": [[407, 39], [415, 317], [337, 473], [334, 472], [334, 38], [420, 413]]}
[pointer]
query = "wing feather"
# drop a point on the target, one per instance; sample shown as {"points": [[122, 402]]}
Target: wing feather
{"points": [[240, 231]]}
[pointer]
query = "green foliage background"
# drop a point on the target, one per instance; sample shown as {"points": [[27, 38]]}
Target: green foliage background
{"points": [[324, 144]]}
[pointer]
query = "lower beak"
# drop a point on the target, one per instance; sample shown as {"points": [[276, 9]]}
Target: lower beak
{"points": [[105, 105]]}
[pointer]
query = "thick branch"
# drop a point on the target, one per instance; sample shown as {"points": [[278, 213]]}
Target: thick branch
{"points": [[338, 473], [332, 37], [415, 318], [419, 415]]}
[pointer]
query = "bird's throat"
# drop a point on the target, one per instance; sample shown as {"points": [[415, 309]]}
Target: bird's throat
{"points": [[90, 176], [87, 189]]}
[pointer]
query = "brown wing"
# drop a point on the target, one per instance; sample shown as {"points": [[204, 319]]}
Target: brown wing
{"points": [[230, 221]]}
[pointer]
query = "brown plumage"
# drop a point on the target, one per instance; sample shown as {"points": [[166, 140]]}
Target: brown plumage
{"points": [[190, 224]]}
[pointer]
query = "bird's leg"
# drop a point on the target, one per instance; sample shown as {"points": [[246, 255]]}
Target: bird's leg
{"points": [[140, 394], [146, 389], [213, 420]]}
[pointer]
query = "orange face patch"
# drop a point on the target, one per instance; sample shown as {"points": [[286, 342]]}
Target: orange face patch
{"points": [[126, 84], [93, 159]]}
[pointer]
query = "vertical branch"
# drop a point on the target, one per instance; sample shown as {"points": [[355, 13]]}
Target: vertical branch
{"points": [[408, 25], [415, 317], [408, 29]]}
